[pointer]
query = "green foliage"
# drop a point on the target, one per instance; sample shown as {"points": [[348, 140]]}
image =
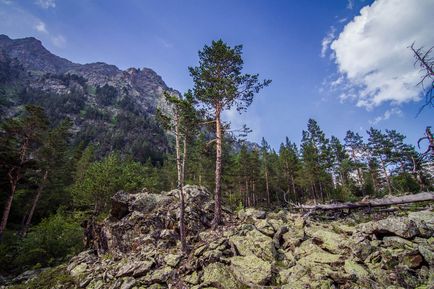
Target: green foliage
{"points": [[97, 182], [53, 238]]}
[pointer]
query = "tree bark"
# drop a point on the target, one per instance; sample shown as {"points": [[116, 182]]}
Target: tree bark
{"points": [[218, 170], [35, 202], [179, 167], [420, 197], [14, 175], [13, 180], [359, 171], [267, 188], [389, 186]]}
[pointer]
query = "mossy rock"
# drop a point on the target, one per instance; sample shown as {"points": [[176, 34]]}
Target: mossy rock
{"points": [[256, 243], [353, 268], [219, 275], [251, 269]]}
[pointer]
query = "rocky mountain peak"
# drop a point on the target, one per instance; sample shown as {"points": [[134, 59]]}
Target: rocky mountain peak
{"points": [[33, 55]]}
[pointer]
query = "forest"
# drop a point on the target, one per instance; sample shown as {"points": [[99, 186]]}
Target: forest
{"points": [[54, 183]]}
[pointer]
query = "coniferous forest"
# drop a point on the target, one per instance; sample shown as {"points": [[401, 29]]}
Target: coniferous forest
{"points": [[112, 179]]}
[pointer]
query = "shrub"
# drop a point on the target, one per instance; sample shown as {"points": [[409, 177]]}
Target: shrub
{"points": [[52, 239]]}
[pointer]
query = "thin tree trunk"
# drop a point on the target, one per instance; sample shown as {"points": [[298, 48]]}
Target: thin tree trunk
{"points": [[389, 186], [293, 186], [6, 211], [267, 188], [218, 170], [35, 202], [359, 171], [13, 180], [179, 167]]}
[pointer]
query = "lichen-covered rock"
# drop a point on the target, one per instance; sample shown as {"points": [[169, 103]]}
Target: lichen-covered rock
{"points": [[256, 243], [172, 259], [278, 249], [251, 270], [326, 238], [219, 275], [356, 269], [424, 221], [399, 226]]}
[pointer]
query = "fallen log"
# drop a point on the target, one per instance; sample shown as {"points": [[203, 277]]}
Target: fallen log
{"points": [[388, 201]]}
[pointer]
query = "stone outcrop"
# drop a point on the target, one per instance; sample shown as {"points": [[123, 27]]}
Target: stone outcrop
{"points": [[253, 249]]}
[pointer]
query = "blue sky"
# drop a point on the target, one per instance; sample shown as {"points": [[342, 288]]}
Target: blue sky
{"points": [[325, 60]]}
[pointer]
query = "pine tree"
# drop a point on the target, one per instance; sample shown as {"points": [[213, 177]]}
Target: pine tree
{"points": [[219, 85], [20, 137], [53, 163], [354, 144], [381, 148], [182, 121]]}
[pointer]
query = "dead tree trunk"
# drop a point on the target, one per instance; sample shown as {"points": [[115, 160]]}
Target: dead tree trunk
{"points": [[420, 197]]}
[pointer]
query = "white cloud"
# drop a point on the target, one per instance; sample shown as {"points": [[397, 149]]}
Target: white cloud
{"points": [[327, 40], [350, 4], [387, 114], [40, 27], [46, 3], [58, 40], [17, 23], [237, 121], [372, 51]]}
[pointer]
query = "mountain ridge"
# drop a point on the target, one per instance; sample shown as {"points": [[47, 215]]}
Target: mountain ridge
{"points": [[109, 107]]}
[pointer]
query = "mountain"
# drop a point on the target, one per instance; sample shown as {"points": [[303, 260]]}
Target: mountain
{"points": [[112, 108]]}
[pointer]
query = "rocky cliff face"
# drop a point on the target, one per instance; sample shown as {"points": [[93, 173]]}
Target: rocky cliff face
{"points": [[137, 247], [111, 107]]}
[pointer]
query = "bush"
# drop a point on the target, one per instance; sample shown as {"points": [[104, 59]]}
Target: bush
{"points": [[52, 239]]}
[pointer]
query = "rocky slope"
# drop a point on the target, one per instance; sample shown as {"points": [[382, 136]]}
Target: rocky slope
{"points": [[113, 108], [137, 247]]}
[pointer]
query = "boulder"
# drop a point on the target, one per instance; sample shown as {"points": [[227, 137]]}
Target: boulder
{"points": [[256, 243], [399, 226], [251, 270], [120, 203], [325, 238], [355, 269], [219, 275]]}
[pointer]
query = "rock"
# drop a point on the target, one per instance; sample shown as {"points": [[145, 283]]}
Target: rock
{"points": [[265, 227], [325, 238], [249, 215], [424, 221], [78, 270], [256, 243], [172, 259], [251, 270], [159, 275], [309, 253], [353, 268], [427, 252], [128, 283], [144, 202], [193, 278], [135, 269], [400, 226], [413, 260], [397, 242], [119, 207], [27, 275], [219, 275]]}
